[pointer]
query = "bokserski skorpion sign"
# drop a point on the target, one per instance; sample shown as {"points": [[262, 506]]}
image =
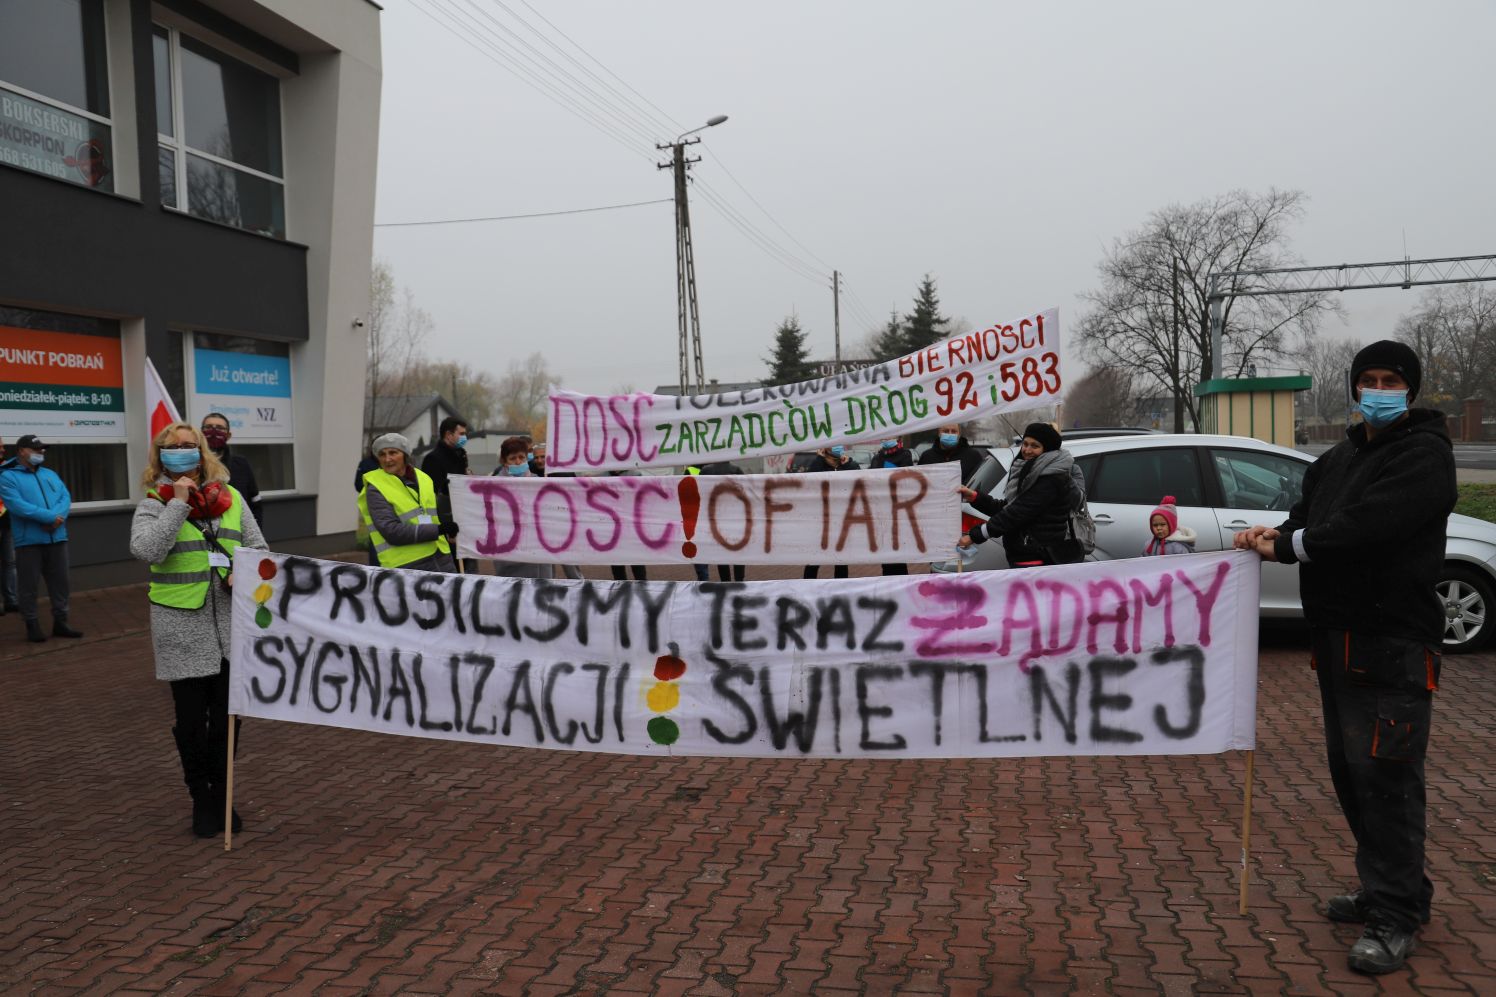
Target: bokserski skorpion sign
{"points": [[1147, 656], [1003, 367]]}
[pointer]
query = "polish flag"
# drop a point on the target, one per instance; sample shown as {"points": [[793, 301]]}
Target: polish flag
{"points": [[157, 401]]}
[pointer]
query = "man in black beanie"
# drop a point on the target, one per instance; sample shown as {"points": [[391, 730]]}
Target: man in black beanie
{"points": [[1368, 536]]}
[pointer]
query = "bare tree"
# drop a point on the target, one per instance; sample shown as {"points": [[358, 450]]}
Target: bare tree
{"points": [[1328, 364], [1131, 322], [1103, 397], [1453, 331], [398, 328], [473, 393], [523, 394]]}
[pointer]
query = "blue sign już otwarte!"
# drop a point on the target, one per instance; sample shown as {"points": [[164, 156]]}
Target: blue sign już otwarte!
{"points": [[220, 373]]}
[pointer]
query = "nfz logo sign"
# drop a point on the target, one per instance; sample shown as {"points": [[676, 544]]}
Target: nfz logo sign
{"points": [[265, 414]]}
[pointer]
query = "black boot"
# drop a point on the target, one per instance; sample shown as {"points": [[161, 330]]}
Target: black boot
{"points": [[60, 628], [34, 631], [1382, 948], [195, 774]]}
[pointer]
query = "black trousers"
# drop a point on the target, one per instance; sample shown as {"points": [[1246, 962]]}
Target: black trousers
{"points": [[620, 573], [731, 572], [837, 571], [1377, 694], [202, 714], [35, 562]]}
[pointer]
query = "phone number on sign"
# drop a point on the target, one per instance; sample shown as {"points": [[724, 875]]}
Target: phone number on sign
{"points": [[1032, 376]]}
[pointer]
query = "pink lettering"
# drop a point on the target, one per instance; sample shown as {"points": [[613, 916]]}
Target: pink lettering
{"points": [[1205, 602]]}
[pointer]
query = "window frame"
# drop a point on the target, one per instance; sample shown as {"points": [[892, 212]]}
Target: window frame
{"points": [[189, 351], [1220, 499], [106, 120], [175, 27]]}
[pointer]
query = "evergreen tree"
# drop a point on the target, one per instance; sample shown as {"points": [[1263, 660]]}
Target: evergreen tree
{"points": [[925, 326], [890, 343], [790, 361]]}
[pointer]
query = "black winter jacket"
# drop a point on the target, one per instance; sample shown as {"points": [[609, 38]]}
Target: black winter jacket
{"points": [[1038, 515], [969, 456], [1374, 516], [439, 464], [900, 457]]}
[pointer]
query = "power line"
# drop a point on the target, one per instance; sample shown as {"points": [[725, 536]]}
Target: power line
{"points": [[535, 214], [718, 160]]}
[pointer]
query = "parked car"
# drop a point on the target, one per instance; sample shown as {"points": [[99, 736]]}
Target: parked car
{"points": [[1225, 484]]}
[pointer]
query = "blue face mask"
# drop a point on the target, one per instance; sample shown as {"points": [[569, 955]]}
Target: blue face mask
{"points": [[949, 440], [37, 459], [1381, 408], [518, 470], [181, 461], [890, 444], [838, 451], [462, 440]]}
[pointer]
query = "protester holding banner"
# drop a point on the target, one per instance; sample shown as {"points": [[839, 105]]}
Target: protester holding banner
{"points": [[514, 460], [1368, 533], [40, 504], [187, 529], [241, 476], [952, 445], [1033, 516], [833, 458], [398, 505], [892, 453]]}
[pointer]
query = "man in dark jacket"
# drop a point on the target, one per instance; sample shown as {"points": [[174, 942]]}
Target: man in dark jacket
{"points": [[241, 476], [951, 445], [448, 457], [40, 504], [1368, 535]]}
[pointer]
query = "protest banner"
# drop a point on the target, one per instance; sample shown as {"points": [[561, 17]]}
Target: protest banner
{"points": [[1004, 367], [851, 517], [1144, 656]]}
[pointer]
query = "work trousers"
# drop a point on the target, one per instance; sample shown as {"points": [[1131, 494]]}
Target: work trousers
{"points": [[1377, 694], [35, 562]]}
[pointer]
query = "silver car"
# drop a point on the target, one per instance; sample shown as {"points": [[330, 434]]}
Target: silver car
{"points": [[1225, 484]]}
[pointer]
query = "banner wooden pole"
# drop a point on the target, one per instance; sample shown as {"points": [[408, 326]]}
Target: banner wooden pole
{"points": [[228, 792], [1246, 831]]}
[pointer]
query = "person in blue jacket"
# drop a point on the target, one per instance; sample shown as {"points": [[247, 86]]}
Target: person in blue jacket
{"points": [[39, 503]]}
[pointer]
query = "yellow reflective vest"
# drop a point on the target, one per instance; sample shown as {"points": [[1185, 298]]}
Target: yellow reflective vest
{"points": [[409, 507], [181, 581]]}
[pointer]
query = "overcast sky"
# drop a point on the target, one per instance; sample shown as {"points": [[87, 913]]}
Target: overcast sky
{"points": [[997, 146]]}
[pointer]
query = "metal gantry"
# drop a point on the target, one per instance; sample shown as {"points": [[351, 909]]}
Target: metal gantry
{"points": [[1405, 274]]}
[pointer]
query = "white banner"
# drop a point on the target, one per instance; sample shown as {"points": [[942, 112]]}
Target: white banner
{"points": [[1004, 367], [845, 517], [1154, 655]]}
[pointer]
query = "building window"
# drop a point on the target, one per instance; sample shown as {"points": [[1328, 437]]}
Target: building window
{"points": [[62, 378], [219, 127], [54, 90], [248, 382]]}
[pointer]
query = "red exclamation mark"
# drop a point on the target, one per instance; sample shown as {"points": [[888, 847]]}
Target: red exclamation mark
{"points": [[690, 506]]}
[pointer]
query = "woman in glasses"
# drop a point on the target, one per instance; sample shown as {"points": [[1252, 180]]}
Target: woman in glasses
{"points": [[187, 529]]}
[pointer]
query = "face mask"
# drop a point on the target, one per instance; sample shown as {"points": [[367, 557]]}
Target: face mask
{"points": [[518, 470], [1381, 407], [36, 459], [180, 461], [949, 439], [837, 451], [530, 455], [462, 440], [217, 438], [890, 444]]}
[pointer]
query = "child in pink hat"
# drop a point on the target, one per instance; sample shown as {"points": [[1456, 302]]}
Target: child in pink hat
{"points": [[1168, 536]]}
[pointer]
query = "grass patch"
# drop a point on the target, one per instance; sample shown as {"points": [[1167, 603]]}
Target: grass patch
{"points": [[1478, 501]]}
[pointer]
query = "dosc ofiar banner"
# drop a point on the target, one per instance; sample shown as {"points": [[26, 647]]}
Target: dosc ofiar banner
{"points": [[60, 385], [252, 391], [1003, 367], [850, 517], [1153, 655]]}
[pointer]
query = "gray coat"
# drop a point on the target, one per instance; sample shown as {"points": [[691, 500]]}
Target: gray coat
{"points": [[399, 533], [189, 643]]}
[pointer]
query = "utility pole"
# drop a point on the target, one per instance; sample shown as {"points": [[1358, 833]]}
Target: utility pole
{"points": [[836, 313], [1178, 374], [688, 317]]}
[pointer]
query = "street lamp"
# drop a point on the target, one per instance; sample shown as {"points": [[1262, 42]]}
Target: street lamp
{"points": [[688, 319]]}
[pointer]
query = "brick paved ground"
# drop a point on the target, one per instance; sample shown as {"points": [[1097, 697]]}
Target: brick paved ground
{"points": [[379, 864]]}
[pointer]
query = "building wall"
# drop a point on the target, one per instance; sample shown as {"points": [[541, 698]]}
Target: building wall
{"points": [[161, 272]]}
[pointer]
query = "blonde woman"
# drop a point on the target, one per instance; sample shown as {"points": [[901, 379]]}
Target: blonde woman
{"points": [[187, 529]]}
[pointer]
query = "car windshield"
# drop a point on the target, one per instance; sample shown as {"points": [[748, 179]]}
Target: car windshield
{"points": [[987, 476]]}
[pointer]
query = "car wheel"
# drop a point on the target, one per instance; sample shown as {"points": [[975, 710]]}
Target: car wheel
{"points": [[1467, 598]]}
